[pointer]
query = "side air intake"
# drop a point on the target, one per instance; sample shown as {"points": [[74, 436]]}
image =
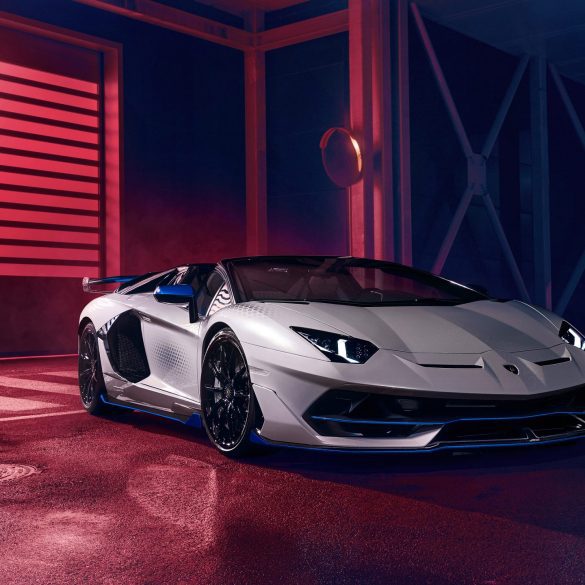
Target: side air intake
{"points": [[123, 341]]}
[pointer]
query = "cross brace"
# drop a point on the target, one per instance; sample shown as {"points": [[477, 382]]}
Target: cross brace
{"points": [[476, 162]]}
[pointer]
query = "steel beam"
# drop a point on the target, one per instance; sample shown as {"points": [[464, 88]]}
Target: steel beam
{"points": [[177, 20], [571, 286], [509, 255], [401, 133], [504, 108], [360, 76], [371, 203], [567, 102], [255, 104], [540, 182], [383, 202], [453, 230], [113, 161], [579, 269], [476, 162], [442, 82], [303, 31]]}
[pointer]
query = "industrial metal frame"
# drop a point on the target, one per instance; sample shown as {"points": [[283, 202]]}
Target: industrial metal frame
{"points": [[380, 215]]}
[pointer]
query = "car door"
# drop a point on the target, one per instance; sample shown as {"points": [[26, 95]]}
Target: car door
{"points": [[173, 343]]}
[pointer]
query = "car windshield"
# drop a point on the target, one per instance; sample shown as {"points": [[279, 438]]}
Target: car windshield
{"points": [[351, 281]]}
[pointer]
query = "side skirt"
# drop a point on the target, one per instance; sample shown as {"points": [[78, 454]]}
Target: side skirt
{"points": [[191, 420]]}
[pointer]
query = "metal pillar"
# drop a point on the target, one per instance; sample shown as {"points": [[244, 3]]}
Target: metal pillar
{"points": [[476, 163], [540, 182], [577, 124], [383, 208], [255, 98], [579, 269], [361, 194], [401, 133], [371, 205]]}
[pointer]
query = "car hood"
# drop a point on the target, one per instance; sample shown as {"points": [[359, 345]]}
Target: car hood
{"points": [[467, 328]]}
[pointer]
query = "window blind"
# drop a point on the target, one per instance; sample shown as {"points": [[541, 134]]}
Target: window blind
{"points": [[50, 139]]}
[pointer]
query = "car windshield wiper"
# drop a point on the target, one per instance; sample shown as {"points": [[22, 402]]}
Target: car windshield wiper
{"points": [[401, 303], [339, 302], [432, 301]]}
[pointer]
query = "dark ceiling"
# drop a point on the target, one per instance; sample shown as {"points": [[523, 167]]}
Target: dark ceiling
{"points": [[554, 29]]}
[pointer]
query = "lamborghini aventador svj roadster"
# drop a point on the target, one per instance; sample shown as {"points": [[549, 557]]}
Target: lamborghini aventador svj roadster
{"points": [[329, 352]]}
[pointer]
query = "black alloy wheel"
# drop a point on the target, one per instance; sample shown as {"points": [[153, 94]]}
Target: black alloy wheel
{"points": [[91, 380], [227, 400]]}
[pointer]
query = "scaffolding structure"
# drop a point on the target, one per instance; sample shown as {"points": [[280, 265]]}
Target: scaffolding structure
{"points": [[380, 214]]}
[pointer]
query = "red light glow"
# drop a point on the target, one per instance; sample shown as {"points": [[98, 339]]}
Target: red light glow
{"points": [[50, 270], [26, 109], [53, 148], [17, 125], [49, 183], [48, 253], [42, 182], [49, 78], [48, 95], [36, 199], [47, 235]]}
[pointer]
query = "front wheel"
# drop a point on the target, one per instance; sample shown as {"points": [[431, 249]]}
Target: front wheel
{"points": [[91, 379], [227, 400]]}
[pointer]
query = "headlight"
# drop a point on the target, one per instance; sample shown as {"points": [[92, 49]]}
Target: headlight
{"points": [[569, 334], [338, 348]]}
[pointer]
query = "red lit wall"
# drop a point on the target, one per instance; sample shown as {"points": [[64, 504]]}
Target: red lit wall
{"points": [[50, 187], [182, 161]]}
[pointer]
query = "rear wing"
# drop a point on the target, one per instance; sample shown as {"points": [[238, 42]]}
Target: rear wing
{"points": [[92, 285]]}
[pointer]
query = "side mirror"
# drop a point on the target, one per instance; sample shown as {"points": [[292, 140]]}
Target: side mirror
{"points": [[178, 294]]}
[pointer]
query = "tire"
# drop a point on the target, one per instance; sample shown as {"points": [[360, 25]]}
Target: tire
{"points": [[228, 405], [91, 380]]}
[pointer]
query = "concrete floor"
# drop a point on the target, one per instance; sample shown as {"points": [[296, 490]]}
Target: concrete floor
{"points": [[138, 500]]}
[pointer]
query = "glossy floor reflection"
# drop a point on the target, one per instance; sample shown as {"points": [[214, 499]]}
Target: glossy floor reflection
{"points": [[134, 499]]}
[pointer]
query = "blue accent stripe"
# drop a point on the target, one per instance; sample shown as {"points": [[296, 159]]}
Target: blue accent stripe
{"points": [[193, 421], [255, 438], [444, 422], [112, 279]]}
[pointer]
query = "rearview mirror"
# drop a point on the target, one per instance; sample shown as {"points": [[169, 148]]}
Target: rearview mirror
{"points": [[341, 156], [178, 294]]}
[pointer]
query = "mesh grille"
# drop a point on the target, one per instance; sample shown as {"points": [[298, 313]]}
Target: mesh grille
{"points": [[126, 348]]}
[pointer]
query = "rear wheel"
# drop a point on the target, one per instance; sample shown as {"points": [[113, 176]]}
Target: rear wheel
{"points": [[91, 380], [227, 400]]}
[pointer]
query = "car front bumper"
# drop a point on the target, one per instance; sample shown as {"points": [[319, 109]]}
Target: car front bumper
{"points": [[481, 411]]}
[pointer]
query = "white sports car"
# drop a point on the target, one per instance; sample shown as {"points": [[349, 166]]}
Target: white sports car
{"points": [[329, 352]]}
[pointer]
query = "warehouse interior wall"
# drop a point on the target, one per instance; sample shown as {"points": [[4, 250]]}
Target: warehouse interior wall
{"points": [[567, 188], [183, 192], [478, 76], [307, 92], [183, 196]]}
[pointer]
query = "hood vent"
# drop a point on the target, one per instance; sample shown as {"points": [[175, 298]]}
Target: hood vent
{"points": [[455, 366], [554, 361]]}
